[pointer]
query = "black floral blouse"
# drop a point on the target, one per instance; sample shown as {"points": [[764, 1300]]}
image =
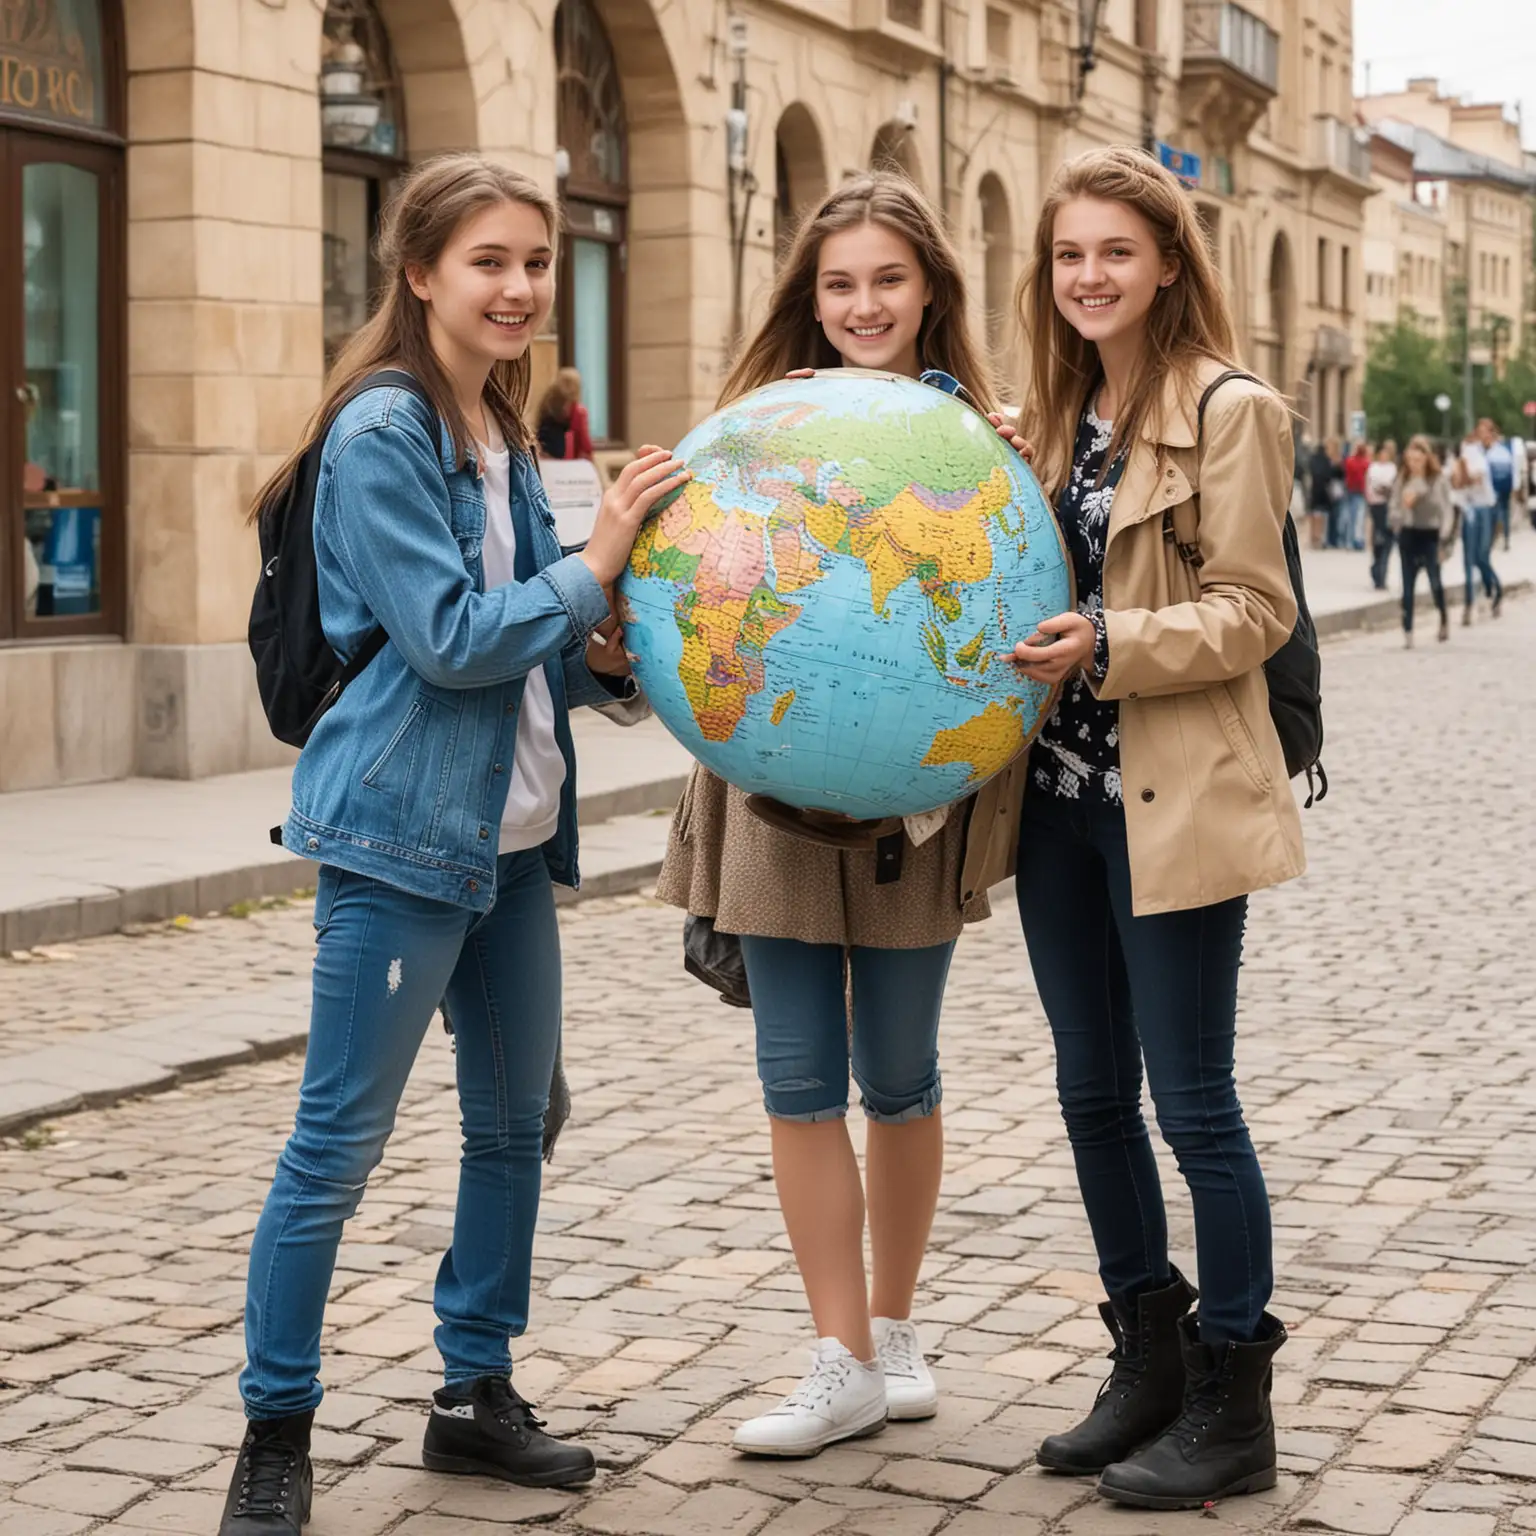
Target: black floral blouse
{"points": [[1077, 753]]}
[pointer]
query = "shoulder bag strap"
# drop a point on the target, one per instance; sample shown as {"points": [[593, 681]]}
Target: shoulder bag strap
{"points": [[1189, 549]]}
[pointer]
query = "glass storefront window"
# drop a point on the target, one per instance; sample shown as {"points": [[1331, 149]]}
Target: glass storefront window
{"points": [[61, 472], [594, 331], [348, 229]]}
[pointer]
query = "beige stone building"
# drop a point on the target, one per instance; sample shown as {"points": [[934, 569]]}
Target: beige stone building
{"points": [[1471, 176], [189, 188], [1405, 246]]}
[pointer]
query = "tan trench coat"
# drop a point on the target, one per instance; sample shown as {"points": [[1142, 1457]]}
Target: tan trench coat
{"points": [[1209, 810]]}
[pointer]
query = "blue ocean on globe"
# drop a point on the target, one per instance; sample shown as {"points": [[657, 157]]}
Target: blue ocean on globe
{"points": [[824, 614]]}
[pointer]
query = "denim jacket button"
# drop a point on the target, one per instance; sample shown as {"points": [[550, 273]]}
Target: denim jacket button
{"points": [[312, 843], [472, 886], [499, 768], [483, 834], [510, 708]]}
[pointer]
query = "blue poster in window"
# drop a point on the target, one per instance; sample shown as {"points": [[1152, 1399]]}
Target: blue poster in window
{"points": [[70, 555], [1181, 162]]}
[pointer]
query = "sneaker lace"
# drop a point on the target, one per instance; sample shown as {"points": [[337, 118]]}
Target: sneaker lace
{"points": [[899, 1352], [267, 1466], [510, 1407], [828, 1377]]}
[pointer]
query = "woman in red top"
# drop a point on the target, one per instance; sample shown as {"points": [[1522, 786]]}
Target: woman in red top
{"points": [[1356, 466], [563, 429]]}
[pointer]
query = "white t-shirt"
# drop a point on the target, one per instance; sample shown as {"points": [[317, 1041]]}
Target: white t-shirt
{"points": [[538, 769], [1480, 492], [1379, 480]]}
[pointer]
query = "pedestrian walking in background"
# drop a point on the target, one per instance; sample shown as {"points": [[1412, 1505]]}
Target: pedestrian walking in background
{"points": [[1472, 491], [871, 281], [1325, 494], [1501, 479], [437, 796], [1356, 468], [1423, 517], [1379, 480], [564, 431], [1134, 918]]}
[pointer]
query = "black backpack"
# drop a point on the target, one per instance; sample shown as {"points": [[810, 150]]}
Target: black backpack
{"points": [[298, 675], [1294, 673]]}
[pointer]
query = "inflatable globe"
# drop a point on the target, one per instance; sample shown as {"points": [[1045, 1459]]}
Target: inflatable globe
{"points": [[824, 613]]}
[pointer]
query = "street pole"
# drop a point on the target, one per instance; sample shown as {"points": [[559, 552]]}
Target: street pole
{"points": [[1466, 333]]}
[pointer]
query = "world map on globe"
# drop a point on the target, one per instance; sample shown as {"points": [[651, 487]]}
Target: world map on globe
{"points": [[824, 613]]}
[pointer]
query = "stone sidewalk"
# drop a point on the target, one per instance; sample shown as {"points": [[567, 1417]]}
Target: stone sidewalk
{"points": [[1388, 1061]]}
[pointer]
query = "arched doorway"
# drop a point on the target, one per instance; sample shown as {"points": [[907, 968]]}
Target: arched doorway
{"points": [[593, 160], [895, 149], [1281, 313], [63, 301], [997, 272], [363, 150], [800, 173]]}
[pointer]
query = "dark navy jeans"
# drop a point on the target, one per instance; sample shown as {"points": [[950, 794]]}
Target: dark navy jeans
{"points": [[1118, 990], [386, 959]]}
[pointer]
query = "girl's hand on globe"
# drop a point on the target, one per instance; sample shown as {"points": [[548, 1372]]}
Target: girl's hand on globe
{"points": [[641, 484], [1011, 435], [1057, 649], [605, 650], [801, 373]]}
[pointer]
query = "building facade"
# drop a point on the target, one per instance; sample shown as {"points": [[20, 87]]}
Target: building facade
{"points": [[1477, 196], [1405, 246], [189, 192]]}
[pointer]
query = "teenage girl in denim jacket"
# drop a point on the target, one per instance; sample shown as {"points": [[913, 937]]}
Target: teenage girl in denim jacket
{"points": [[438, 797]]}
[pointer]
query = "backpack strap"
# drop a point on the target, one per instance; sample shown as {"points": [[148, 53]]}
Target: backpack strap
{"points": [[1189, 549]]}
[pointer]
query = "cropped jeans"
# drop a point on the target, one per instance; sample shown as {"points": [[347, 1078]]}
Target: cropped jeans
{"points": [[386, 959], [1118, 989], [799, 1002]]}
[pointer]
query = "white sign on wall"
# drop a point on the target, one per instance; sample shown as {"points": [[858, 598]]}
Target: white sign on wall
{"points": [[575, 491]]}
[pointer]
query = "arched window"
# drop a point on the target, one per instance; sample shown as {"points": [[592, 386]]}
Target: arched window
{"points": [[593, 161], [895, 149], [62, 544], [362, 134], [800, 173], [997, 269]]}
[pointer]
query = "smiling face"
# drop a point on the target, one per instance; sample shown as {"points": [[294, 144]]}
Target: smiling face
{"points": [[490, 291], [1106, 270], [870, 295]]}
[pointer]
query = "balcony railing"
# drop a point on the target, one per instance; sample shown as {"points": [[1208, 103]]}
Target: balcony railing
{"points": [[1216, 29], [1337, 147]]}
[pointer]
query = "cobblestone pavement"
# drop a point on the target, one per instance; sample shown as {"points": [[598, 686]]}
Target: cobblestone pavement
{"points": [[1387, 1063]]}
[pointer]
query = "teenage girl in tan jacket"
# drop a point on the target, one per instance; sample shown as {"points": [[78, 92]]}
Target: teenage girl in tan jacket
{"points": [[1157, 799]]}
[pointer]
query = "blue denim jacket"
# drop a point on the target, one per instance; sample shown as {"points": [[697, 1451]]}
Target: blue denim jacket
{"points": [[405, 778]]}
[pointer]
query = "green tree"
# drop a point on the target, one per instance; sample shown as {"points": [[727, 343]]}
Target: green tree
{"points": [[1404, 371]]}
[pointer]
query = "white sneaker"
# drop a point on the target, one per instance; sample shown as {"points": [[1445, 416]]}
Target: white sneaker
{"points": [[841, 1399], [910, 1392]]}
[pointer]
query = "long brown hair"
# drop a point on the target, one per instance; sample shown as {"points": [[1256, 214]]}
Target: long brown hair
{"points": [[1189, 323], [430, 204], [1432, 465], [791, 336], [560, 398]]}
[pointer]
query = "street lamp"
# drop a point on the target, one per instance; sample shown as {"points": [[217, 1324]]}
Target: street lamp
{"points": [[1443, 405], [1087, 32]]}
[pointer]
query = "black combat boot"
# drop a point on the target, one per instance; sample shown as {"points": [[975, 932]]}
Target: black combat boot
{"points": [[1145, 1390], [1223, 1443], [273, 1484], [491, 1431]]}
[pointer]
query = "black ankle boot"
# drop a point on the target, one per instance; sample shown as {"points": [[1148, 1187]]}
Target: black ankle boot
{"points": [[273, 1484], [492, 1431], [1145, 1390], [1223, 1442]]}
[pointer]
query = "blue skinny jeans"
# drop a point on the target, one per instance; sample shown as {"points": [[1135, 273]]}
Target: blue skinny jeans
{"points": [[799, 1002], [385, 960], [1118, 989]]}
